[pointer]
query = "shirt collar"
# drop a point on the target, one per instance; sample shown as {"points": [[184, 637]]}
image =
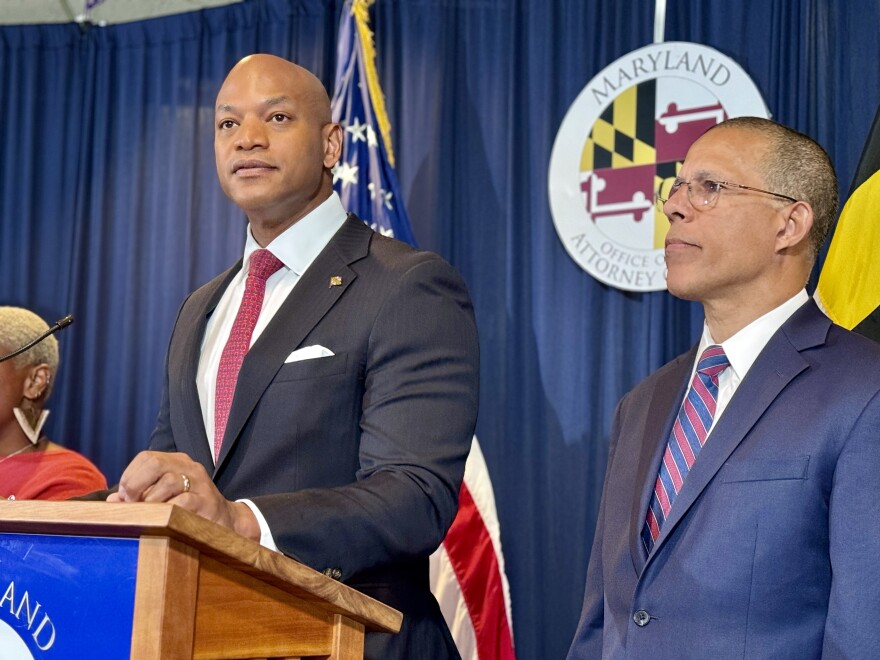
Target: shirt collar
{"points": [[743, 348], [300, 243]]}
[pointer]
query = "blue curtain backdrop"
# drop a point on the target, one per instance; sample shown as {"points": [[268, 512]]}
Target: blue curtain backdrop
{"points": [[110, 210]]}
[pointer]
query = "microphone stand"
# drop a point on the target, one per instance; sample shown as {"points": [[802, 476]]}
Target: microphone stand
{"points": [[59, 325]]}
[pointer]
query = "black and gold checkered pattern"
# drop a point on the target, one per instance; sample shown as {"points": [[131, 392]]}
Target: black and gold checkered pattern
{"points": [[624, 134]]}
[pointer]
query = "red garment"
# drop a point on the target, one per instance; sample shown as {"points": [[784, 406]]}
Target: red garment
{"points": [[49, 475]]}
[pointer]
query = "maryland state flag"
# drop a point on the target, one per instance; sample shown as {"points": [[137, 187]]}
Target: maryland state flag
{"points": [[849, 286], [467, 571]]}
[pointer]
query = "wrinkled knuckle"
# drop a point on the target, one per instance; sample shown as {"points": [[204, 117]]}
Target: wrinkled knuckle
{"points": [[151, 461]]}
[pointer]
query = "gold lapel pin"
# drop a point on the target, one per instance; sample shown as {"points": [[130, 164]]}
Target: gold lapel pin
{"points": [[335, 281]]}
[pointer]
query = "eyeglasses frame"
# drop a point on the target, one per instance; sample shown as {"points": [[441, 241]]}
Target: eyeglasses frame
{"points": [[724, 184]]}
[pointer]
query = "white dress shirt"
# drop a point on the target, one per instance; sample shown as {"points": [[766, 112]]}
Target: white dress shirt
{"points": [[743, 348]]}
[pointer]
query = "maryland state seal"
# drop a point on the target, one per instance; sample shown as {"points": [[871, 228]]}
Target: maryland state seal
{"points": [[622, 142]]}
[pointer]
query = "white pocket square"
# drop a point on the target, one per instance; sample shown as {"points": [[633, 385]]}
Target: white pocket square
{"points": [[309, 353]]}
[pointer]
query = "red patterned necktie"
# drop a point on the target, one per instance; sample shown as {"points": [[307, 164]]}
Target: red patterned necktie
{"points": [[262, 265], [687, 438]]}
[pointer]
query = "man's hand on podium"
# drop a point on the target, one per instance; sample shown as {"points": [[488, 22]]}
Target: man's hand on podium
{"points": [[156, 476]]}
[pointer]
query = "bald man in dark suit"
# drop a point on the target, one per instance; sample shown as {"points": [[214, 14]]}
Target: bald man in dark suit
{"points": [[341, 436]]}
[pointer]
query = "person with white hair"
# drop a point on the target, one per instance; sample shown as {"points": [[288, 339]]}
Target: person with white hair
{"points": [[31, 466]]}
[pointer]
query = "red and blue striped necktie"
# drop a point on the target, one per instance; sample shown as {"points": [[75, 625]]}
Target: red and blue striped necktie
{"points": [[687, 438]]}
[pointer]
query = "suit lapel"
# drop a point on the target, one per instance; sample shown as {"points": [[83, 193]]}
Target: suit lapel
{"points": [[776, 366], [310, 300], [668, 393], [194, 318]]}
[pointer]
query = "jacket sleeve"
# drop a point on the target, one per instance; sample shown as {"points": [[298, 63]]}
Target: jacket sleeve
{"points": [[162, 437], [855, 541]]}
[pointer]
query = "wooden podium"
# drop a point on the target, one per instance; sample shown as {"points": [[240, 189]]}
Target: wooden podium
{"points": [[201, 591]]}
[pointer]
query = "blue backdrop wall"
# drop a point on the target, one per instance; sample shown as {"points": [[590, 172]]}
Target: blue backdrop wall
{"points": [[110, 210]]}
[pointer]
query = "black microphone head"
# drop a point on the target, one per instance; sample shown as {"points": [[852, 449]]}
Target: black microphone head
{"points": [[63, 323], [59, 325]]}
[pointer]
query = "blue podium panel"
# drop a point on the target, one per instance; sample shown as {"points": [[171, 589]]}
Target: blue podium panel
{"points": [[66, 597]]}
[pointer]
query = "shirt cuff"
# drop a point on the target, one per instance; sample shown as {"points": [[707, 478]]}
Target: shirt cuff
{"points": [[266, 539]]}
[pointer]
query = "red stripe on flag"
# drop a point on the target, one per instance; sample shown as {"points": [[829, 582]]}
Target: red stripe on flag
{"points": [[473, 559]]}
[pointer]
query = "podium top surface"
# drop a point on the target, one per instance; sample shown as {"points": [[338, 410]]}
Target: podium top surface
{"points": [[133, 520]]}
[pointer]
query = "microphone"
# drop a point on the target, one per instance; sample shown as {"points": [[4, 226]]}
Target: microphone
{"points": [[59, 325]]}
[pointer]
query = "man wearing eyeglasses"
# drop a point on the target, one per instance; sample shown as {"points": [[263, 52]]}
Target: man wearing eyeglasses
{"points": [[739, 516]]}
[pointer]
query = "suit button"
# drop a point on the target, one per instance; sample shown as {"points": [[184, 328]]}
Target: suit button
{"points": [[334, 573], [641, 618]]}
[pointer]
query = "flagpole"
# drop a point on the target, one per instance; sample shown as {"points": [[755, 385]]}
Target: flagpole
{"points": [[659, 21]]}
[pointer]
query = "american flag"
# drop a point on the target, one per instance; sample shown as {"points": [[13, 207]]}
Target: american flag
{"points": [[364, 176], [467, 571]]}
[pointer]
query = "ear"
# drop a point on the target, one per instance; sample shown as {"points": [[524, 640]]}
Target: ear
{"points": [[332, 144], [798, 221], [37, 382]]}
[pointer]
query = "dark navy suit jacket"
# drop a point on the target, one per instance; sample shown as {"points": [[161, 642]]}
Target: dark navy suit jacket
{"points": [[355, 460], [772, 547]]}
